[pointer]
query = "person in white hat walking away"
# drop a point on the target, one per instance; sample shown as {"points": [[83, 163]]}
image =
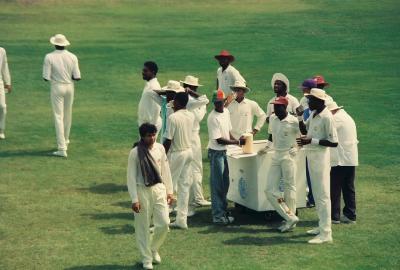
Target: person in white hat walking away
{"points": [[178, 147], [197, 105], [280, 85], [284, 129], [150, 188], [242, 112], [5, 86], [61, 69], [344, 160], [149, 110], [320, 133]]}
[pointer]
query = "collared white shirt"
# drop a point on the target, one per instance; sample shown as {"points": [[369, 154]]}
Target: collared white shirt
{"points": [[284, 132], [219, 126], [321, 127], [291, 108], [148, 109], [228, 77], [346, 153], [135, 176], [5, 77], [179, 130], [198, 107], [242, 115], [60, 66]]}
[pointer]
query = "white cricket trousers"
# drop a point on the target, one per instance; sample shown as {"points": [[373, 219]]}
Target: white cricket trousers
{"points": [[179, 163], [196, 190], [3, 107], [319, 167], [153, 204], [62, 98], [282, 167]]}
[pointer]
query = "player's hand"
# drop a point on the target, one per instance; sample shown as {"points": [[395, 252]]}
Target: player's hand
{"points": [[303, 141], [136, 207], [255, 131], [170, 199], [8, 87], [264, 150], [293, 151]]}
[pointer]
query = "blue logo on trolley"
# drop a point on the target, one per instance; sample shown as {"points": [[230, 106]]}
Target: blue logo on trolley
{"points": [[242, 188]]}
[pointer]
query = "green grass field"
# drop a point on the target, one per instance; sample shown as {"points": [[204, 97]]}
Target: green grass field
{"points": [[74, 213]]}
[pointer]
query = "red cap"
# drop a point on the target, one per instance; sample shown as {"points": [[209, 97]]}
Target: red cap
{"points": [[319, 79], [225, 53], [281, 101]]}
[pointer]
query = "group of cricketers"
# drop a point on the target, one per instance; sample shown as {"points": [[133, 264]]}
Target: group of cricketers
{"points": [[166, 178]]}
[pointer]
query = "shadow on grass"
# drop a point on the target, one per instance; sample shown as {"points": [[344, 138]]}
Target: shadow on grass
{"points": [[104, 216], [114, 230], [268, 241], [28, 153], [106, 267], [124, 204], [106, 188]]}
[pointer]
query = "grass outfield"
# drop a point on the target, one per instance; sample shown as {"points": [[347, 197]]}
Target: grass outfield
{"points": [[74, 213]]}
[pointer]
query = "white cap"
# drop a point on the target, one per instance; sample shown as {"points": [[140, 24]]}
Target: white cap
{"points": [[173, 86], [280, 77], [191, 80]]}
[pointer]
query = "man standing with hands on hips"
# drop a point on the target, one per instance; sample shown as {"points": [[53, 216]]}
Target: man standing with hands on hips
{"points": [[321, 134], [5, 85], [61, 69]]}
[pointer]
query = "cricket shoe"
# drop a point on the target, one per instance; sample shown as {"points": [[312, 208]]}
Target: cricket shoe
{"points": [[320, 240], [346, 220], [290, 224], [314, 231], [60, 153], [156, 257]]}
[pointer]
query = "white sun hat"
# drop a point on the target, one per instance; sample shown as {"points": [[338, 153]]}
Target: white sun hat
{"points": [[280, 77], [59, 40], [240, 85], [191, 80], [173, 86], [318, 93]]}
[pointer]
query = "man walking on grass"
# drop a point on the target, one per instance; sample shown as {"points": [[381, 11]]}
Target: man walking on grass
{"points": [[5, 86], [61, 69], [150, 188]]}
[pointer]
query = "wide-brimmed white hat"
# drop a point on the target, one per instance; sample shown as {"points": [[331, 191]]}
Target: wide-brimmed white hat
{"points": [[332, 105], [191, 80], [173, 86], [59, 40], [239, 85], [318, 93], [280, 77]]}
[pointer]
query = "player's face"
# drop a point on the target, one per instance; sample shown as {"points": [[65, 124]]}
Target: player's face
{"points": [[149, 139]]}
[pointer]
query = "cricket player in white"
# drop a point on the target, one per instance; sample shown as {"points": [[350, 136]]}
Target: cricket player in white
{"points": [[149, 110], [5, 84], [178, 147], [197, 105], [242, 112], [227, 74], [284, 129], [321, 134], [150, 188], [344, 160], [280, 85], [61, 69]]}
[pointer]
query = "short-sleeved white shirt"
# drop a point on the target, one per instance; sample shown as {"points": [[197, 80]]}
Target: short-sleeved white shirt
{"points": [[219, 126], [179, 130], [346, 153], [242, 115], [321, 127], [291, 108], [60, 66], [227, 78], [284, 132]]}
